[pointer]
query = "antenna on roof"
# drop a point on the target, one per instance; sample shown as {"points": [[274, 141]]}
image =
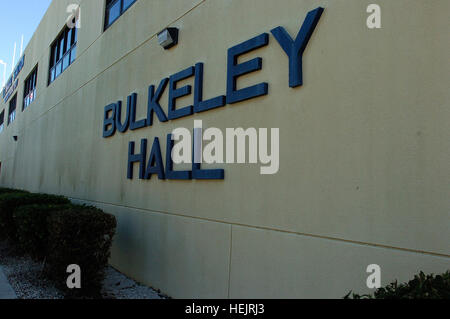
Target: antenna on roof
{"points": [[21, 46], [4, 72], [14, 57]]}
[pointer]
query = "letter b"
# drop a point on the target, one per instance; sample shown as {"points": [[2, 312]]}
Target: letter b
{"points": [[109, 120]]}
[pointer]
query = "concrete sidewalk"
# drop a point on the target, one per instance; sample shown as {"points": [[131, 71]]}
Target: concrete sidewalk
{"points": [[6, 291]]}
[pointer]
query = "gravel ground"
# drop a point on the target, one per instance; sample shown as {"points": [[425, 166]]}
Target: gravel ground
{"points": [[25, 277], [119, 286]]}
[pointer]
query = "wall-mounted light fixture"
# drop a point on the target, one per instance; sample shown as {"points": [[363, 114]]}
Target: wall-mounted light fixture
{"points": [[15, 138], [168, 38]]}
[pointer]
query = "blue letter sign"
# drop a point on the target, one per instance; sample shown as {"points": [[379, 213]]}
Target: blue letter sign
{"points": [[295, 49]]}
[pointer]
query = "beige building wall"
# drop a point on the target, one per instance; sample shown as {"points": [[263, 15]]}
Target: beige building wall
{"points": [[364, 145]]}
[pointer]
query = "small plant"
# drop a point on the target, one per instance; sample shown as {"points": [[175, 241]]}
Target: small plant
{"points": [[51, 229], [421, 287], [83, 236], [31, 228], [10, 202], [10, 190]]}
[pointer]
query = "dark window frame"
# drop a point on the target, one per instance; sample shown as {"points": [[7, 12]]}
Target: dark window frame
{"points": [[2, 121], [30, 86], [14, 111], [109, 4], [62, 52]]}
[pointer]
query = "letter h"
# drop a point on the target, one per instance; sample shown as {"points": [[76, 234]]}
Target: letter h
{"points": [[134, 158]]}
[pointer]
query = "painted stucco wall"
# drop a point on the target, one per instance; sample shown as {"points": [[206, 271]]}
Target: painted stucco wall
{"points": [[364, 145]]}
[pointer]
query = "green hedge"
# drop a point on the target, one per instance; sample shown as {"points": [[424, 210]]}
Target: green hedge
{"points": [[83, 236], [421, 287], [50, 228], [10, 190], [9, 202], [31, 227]]}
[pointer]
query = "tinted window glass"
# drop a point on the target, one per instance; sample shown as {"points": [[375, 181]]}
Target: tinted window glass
{"points": [[58, 69], [127, 4], [69, 40], [74, 36], [113, 12], [62, 53], [61, 48], [2, 120], [12, 109], [66, 61], [114, 9], [73, 54], [30, 89]]}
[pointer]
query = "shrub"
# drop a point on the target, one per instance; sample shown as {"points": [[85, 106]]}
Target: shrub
{"points": [[10, 190], [31, 226], [421, 287], [83, 236], [9, 202]]}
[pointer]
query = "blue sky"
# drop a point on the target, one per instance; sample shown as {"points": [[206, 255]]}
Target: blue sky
{"points": [[18, 17]]}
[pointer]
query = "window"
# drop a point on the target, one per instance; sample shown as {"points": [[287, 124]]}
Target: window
{"points": [[114, 9], [12, 109], [2, 121], [62, 53], [29, 92]]}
